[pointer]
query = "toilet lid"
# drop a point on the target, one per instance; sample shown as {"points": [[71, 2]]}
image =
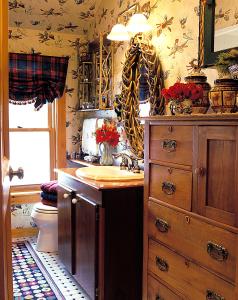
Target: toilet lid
{"points": [[45, 209]]}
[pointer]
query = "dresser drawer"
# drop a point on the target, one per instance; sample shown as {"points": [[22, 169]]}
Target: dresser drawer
{"points": [[177, 271], [158, 291], [210, 246], [171, 144], [171, 185]]}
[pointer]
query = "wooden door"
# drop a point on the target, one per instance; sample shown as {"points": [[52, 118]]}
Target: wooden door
{"points": [[5, 219], [86, 272], [66, 228], [217, 173]]}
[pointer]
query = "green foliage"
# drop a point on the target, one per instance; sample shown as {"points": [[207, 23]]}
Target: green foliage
{"points": [[225, 60]]}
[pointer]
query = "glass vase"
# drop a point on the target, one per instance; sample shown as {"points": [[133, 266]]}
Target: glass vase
{"points": [[106, 158]]}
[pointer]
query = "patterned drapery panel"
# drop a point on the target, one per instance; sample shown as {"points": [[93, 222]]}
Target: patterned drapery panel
{"points": [[35, 78]]}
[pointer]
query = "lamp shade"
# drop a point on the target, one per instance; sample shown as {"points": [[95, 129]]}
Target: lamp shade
{"points": [[138, 23], [119, 33]]}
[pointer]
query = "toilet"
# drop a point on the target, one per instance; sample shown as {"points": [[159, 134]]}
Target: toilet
{"points": [[46, 219]]}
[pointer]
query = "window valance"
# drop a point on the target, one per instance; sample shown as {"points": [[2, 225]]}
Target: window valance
{"points": [[35, 78]]}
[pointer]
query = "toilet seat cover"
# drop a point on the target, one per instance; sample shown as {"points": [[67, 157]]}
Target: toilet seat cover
{"points": [[45, 209]]}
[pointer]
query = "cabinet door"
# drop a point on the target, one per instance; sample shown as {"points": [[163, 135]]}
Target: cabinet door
{"points": [[86, 239], [66, 227], [217, 173]]}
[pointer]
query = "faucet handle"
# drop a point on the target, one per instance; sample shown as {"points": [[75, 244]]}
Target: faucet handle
{"points": [[124, 163], [136, 168]]}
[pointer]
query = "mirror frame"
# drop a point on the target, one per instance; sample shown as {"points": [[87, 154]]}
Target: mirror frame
{"points": [[140, 53], [206, 55]]}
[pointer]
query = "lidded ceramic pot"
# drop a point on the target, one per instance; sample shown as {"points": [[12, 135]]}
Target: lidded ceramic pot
{"points": [[224, 96], [199, 78]]}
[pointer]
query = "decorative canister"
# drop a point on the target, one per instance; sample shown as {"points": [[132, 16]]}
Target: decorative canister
{"points": [[202, 105], [224, 95]]}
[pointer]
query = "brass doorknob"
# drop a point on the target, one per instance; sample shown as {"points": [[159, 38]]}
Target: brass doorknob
{"points": [[19, 173]]}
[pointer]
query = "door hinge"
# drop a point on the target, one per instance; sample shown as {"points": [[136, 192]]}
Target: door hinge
{"points": [[97, 292]]}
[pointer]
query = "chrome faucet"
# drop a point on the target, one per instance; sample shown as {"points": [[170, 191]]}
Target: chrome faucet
{"points": [[125, 165]]}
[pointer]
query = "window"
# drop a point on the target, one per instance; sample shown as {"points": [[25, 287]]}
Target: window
{"points": [[32, 144]]}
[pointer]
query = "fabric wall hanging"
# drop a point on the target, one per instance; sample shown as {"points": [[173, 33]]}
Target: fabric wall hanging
{"points": [[35, 78]]}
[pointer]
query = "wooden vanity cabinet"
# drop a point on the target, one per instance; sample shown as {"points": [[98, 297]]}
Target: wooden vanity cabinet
{"points": [[105, 224], [66, 229], [191, 208]]}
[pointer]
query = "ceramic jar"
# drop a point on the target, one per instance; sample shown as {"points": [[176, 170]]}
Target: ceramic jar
{"points": [[202, 105], [224, 95]]}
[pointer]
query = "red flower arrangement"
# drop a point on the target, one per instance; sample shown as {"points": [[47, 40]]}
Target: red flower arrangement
{"points": [[181, 91], [107, 133]]}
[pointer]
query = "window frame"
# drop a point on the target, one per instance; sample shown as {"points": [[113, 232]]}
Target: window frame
{"points": [[57, 141]]}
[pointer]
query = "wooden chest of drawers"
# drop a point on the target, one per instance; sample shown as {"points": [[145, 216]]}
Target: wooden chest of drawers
{"points": [[191, 208]]}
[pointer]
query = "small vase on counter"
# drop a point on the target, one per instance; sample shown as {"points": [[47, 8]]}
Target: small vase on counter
{"points": [[106, 158]]}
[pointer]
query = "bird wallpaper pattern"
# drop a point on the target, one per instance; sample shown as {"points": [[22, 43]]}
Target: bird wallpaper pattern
{"points": [[61, 27], [226, 14]]}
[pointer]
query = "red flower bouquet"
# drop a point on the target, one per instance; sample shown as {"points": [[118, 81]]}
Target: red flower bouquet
{"points": [[183, 96], [107, 133], [181, 91]]}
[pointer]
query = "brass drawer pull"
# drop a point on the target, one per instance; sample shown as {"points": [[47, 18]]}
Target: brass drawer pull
{"points": [[162, 225], [168, 188], [217, 252], [158, 298], [213, 296], [169, 145], [162, 264]]}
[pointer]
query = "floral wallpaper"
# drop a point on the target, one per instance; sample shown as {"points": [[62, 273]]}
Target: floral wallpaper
{"points": [[226, 14], [69, 16]]}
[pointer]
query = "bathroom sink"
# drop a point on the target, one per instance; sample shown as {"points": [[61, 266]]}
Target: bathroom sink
{"points": [[108, 173]]}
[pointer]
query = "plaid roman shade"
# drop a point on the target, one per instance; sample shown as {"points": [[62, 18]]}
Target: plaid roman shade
{"points": [[36, 78]]}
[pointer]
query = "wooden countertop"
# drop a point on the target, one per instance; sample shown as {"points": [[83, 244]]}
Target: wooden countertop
{"points": [[194, 117], [100, 185]]}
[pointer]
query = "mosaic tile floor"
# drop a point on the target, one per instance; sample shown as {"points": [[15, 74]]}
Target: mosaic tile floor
{"points": [[59, 276]]}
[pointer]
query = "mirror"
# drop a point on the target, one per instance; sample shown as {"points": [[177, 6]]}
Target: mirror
{"points": [[218, 29], [141, 85]]}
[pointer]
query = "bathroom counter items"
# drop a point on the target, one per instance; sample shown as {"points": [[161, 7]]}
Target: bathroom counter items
{"points": [[101, 236], [191, 208]]}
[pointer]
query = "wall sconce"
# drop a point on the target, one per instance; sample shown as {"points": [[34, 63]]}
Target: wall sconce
{"points": [[119, 33], [138, 23]]}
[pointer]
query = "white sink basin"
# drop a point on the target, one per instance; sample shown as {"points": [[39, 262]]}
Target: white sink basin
{"points": [[108, 173]]}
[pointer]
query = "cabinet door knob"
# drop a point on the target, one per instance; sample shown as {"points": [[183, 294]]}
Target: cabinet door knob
{"points": [[66, 196], [74, 200], [200, 171]]}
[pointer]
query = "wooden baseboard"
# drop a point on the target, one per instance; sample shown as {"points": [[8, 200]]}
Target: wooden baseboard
{"points": [[24, 232]]}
